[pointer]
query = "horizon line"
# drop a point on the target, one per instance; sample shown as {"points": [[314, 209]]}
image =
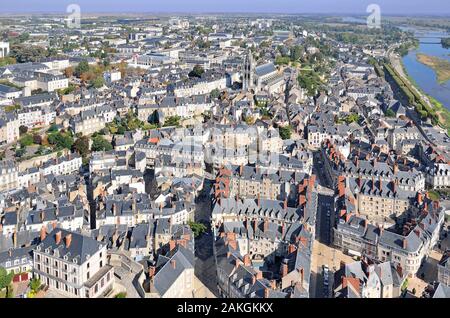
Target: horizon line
{"points": [[362, 13]]}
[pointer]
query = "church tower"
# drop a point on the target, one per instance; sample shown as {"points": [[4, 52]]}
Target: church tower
{"points": [[248, 74]]}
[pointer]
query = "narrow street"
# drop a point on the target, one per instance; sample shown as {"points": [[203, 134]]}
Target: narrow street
{"points": [[205, 267], [323, 252]]}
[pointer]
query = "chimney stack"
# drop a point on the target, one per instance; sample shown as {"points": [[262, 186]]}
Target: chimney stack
{"points": [[302, 274], [58, 237], [285, 204], [291, 248], [419, 198], [405, 244], [43, 233], [284, 269], [172, 245], [173, 263], [151, 271], [247, 261], [259, 275], [68, 240]]}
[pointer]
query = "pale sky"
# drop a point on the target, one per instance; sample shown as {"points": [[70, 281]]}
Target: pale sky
{"points": [[404, 7]]}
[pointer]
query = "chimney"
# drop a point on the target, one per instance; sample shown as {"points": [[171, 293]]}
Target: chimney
{"points": [[285, 204], [247, 261], [266, 225], [233, 244], [241, 170], [151, 271], [43, 233], [10, 252], [302, 274], [58, 237], [273, 283], [405, 244], [400, 270], [259, 275], [172, 245], [395, 168], [259, 200], [15, 238], [68, 240], [173, 263], [291, 248], [266, 293], [54, 224], [284, 269], [419, 198]]}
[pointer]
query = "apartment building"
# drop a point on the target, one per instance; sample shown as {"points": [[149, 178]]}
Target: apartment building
{"points": [[64, 165], [9, 129], [9, 175], [443, 268], [72, 264], [87, 123]]}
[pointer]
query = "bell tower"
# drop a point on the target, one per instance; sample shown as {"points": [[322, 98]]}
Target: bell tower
{"points": [[249, 71]]}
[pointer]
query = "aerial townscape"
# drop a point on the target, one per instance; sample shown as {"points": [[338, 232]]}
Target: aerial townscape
{"points": [[223, 156]]}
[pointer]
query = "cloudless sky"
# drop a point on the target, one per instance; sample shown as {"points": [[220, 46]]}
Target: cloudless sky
{"points": [[404, 7]]}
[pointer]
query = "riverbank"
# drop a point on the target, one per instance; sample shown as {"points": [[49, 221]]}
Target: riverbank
{"points": [[441, 111], [426, 107], [440, 66]]}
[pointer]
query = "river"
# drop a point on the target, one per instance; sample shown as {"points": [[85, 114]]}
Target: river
{"points": [[424, 76]]}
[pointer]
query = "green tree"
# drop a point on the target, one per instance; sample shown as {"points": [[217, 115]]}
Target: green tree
{"points": [[26, 140], [101, 144], [215, 93], [35, 284], [285, 132], [197, 228], [390, 113], [97, 82], [81, 146], [5, 279], [197, 71], [81, 68], [296, 53], [53, 128], [280, 60], [172, 121], [27, 53], [61, 140]]}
